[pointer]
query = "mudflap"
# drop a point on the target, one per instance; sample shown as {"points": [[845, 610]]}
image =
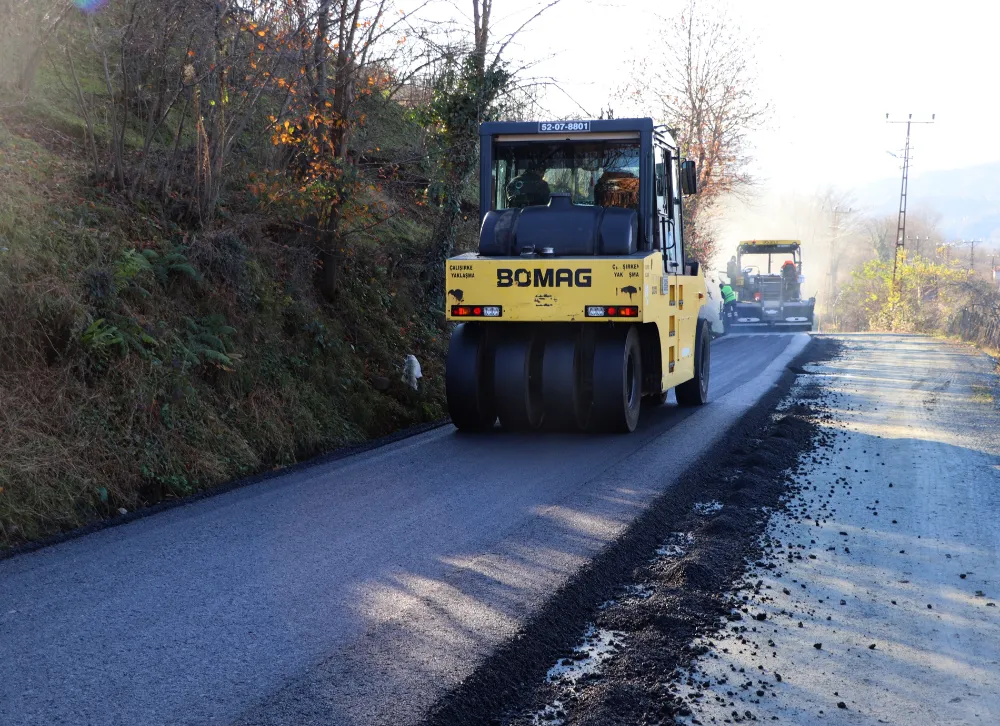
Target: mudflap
{"points": [[799, 314], [749, 318]]}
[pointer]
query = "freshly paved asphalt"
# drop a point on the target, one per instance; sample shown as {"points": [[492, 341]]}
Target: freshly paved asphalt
{"points": [[354, 592]]}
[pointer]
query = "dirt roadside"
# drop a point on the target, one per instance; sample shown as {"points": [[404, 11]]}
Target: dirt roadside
{"points": [[880, 589], [643, 601], [839, 563]]}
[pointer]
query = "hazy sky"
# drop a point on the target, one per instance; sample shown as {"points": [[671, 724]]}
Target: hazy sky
{"points": [[830, 70]]}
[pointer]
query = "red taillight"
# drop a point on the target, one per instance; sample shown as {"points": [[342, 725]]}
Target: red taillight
{"points": [[478, 311], [756, 297], [616, 311]]}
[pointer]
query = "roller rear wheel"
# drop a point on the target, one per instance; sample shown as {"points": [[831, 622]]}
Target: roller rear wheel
{"points": [[517, 379], [565, 393], [469, 379], [695, 391], [617, 380]]}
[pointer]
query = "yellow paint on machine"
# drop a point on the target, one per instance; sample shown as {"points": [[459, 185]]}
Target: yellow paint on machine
{"points": [[559, 289]]}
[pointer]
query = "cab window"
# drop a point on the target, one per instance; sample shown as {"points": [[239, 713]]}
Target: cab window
{"points": [[600, 173]]}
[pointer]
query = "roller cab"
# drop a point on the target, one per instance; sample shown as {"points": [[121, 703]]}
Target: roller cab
{"points": [[579, 301]]}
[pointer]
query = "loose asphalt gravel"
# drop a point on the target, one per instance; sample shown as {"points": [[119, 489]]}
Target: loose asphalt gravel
{"points": [[362, 591], [837, 564], [882, 581]]}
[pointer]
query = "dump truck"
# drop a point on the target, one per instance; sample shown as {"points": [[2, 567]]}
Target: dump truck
{"points": [[768, 285], [580, 301]]}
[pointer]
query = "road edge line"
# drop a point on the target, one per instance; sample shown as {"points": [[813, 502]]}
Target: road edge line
{"points": [[328, 457]]}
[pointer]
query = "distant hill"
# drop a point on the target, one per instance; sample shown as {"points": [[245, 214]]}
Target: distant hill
{"points": [[968, 200]]}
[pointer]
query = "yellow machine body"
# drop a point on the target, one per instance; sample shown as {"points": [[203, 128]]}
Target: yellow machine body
{"points": [[560, 290], [581, 301]]}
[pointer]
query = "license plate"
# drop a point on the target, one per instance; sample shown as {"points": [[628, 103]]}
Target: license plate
{"points": [[555, 127]]}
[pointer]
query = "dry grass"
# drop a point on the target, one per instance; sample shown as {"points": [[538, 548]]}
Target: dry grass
{"points": [[85, 431]]}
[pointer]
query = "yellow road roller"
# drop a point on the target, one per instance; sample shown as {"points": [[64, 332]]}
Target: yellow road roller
{"points": [[580, 301]]}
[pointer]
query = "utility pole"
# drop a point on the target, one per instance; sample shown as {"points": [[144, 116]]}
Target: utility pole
{"points": [[972, 255], [836, 232], [901, 223]]}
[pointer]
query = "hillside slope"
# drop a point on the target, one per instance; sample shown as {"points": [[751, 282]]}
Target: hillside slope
{"points": [[142, 359]]}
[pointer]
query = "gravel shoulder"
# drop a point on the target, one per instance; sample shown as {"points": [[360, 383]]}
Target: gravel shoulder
{"points": [[877, 601], [834, 560], [602, 649]]}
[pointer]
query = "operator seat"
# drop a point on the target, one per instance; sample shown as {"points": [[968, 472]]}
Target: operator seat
{"points": [[617, 189], [790, 278], [528, 190]]}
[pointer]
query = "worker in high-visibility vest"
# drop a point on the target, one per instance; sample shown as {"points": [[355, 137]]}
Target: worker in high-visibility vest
{"points": [[728, 297]]}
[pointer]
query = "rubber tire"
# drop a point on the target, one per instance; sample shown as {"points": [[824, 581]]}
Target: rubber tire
{"points": [[469, 379], [517, 380], [617, 380], [695, 391], [562, 383]]}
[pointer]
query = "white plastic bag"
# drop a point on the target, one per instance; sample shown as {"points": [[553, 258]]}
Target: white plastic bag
{"points": [[411, 371]]}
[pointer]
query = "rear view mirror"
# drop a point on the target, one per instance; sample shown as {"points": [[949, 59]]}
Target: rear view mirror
{"points": [[689, 177]]}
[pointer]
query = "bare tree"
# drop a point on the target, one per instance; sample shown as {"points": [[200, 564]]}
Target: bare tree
{"points": [[26, 27], [704, 88], [474, 88]]}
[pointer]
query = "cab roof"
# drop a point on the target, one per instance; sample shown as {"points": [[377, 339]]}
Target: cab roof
{"points": [[492, 128], [770, 245], [560, 130]]}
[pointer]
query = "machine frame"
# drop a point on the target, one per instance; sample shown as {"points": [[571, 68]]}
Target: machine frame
{"points": [[574, 307], [764, 302]]}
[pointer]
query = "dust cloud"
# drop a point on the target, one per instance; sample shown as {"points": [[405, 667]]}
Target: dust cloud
{"points": [[819, 221]]}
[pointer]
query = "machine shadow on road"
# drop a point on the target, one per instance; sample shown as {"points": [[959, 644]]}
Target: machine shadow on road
{"points": [[415, 622]]}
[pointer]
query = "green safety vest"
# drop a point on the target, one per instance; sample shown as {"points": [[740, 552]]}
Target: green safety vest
{"points": [[728, 295]]}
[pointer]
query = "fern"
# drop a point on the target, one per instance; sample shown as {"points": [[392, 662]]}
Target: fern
{"points": [[176, 263], [101, 338], [206, 342], [173, 262], [211, 341], [216, 357], [130, 269]]}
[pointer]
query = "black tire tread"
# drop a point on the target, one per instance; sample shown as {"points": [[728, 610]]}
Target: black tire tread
{"points": [[694, 392], [469, 379]]}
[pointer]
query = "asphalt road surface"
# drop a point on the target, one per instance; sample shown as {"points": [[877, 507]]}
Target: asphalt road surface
{"points": [[355, 592]]}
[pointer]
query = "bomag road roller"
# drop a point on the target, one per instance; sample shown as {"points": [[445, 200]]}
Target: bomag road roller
{"points": [[768, 284], [580, 301]]}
